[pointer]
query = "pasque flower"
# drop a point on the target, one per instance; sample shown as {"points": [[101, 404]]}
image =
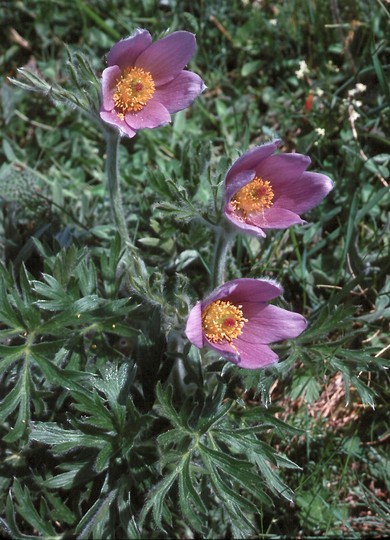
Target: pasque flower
{"points": [[145, 82], [264, 190], [237, 321]]}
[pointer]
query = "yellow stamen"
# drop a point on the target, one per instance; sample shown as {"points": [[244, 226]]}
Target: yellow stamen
{"points": [[253, 198], [222, 320], [134, 89]]}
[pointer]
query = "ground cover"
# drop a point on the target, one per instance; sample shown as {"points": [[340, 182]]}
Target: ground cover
{"points": [[112, 424]]}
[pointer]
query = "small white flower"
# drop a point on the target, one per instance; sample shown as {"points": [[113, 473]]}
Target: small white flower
{"points": [[353, 115], [273, 22], [332, 67], [303, 69], [319, 92], [320, 131], [359, 88]]}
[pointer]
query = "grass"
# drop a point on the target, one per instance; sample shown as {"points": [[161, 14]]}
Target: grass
{"points": [[79, 459]]}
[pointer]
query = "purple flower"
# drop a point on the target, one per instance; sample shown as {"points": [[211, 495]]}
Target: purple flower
{"points": [[145, 83], [237, 321], [264, 190]]}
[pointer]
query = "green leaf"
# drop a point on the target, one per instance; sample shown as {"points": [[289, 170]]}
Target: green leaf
{"points": [[109, 266], [371, 203], [172, 436], [242, 527], [271, 477], [67, 378], [380, 73], [8, 315], [65, 264], [188, 496], [11, 401], [225, 491], [251, 67], [116, 379], [27, 510], [80, 474], [164, 398], [120, 329], [25, 286], [150, 241], [62, 481], [244, 444], [127, 519], [23, 418], [366, 393], [11, 523], [235, 469], [87, 278], [60, 513], [92, 404], [305, 385], [230, 464], [96, 515], [103, 458], [10, 354], [62, 440], [156, 498], [57, 298], [46, 347], [210, 419]]}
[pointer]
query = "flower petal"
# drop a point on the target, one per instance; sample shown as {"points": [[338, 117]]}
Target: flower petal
{"points": [[220, 292], [125, 52], [225, 349], [244, 355], [239, 181], [154, 114], [282, 169], [113, 119], [251, 159], [268, 324], [243, 289], [243, 225], [166, 58], [193, 330], [109, 79], [274, 218], [254, 290], [181, 92], [255, 357], [305, 193]]}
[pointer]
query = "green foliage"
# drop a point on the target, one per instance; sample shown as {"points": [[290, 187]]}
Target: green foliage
{"points": [[112, 425]]}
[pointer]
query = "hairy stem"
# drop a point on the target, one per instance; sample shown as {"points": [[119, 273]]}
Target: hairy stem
{"points": [[223, 242], [112, 138]]}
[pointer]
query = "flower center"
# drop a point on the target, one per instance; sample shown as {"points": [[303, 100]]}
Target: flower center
{"points": [[133, 90], [253, 197], [222, 320]]}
